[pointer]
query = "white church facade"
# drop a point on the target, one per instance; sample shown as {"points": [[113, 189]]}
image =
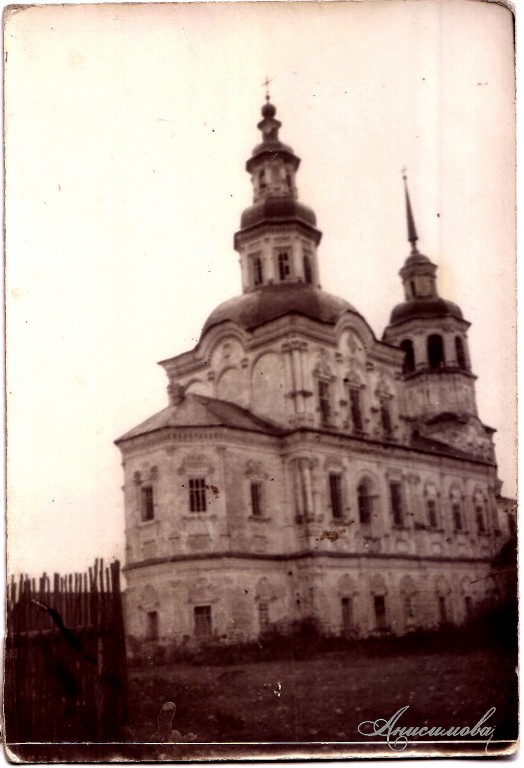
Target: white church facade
{"points": [[304, 468]]}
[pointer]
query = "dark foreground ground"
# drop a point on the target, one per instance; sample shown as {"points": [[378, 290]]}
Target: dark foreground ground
{"points": [[326, 696]]}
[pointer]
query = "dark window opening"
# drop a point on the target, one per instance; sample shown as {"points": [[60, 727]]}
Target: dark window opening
{"points": [[408, 366], [256, 499], [365, 503], [442, 609], [347, 615], [468, 605], [413, 290], [380, 611], [257, 271], [289, 181], [396, 503], [308, 273], [324, 401], [283, 265], [197, 494], [263, 616], [435, 351], [335, 493], [262, 180], [152, 625], [457, 517], [385, 418], [432, 513], [147, 509], [203, 626], [460, 353], [512, 526], [479, 515], [355, 408]]}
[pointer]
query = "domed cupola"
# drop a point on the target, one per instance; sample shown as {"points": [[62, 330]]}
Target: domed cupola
{"points": [[277, 239], [433, 334]]}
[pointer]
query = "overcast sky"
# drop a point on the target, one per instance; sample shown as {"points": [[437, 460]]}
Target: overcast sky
{"points": [[127, 132]]}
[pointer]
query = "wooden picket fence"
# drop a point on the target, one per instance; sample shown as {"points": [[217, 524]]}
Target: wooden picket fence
{"points": [[65, 661]]}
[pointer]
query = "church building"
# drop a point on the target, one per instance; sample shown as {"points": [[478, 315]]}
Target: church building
{"points": [[304, 468]]}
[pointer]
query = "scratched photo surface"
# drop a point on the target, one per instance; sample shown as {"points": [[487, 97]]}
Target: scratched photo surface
{"points": [[296, 535]]}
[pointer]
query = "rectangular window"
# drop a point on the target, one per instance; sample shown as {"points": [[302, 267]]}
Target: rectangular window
{"points": [[356, 410], [263, 616], [409, 608], [256, 499], [442, 609], [197, 494], [258, 276], [432, 513], [385, 418], [347, 615], [324, 402], [203, 626], [147, 510], [396, 503], [479, 514], [283, 265], [335, 493], [380, 611], [457, 517], [152, 625]]}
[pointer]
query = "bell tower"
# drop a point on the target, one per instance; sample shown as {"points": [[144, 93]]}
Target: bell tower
{"points": [[277, 240], [432, 332]]}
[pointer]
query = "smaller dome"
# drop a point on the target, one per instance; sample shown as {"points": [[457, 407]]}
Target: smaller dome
{"points": [[430, 307], [277, 208], [268, 110]]}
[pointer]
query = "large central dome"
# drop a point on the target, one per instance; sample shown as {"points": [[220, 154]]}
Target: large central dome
{"points": [[273, 301]]}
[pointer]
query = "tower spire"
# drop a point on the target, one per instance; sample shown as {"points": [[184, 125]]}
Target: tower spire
{"points": [[412, 232]]}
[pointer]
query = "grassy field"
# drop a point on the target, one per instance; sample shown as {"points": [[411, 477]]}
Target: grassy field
{"points": [[325, 697]]}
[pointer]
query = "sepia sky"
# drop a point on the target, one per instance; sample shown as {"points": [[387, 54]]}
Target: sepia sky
{"points": [[128, 127]]}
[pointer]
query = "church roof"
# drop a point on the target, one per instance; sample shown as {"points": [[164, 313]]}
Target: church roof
{"points": [[201, 411], [273, 301], [435, 446]]}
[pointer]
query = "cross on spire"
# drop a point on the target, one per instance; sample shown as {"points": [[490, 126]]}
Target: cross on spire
{"points": [[266, 85]]}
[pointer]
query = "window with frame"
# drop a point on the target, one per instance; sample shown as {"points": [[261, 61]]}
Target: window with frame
{"points": [[479, 517], [203, 621], [442, 609], [335, 494], [456, 512], [308, 272], [397, 510], [283, 265], [460, 353], [256, 499], [355, 409], [408, 365], [379, 604], [263, 616], [435, 346], [152, 625], [365, 504], [385, 418], [147, 508], [258, 275], [197, 494], [431, 506], [324, 401], [347, 615]]}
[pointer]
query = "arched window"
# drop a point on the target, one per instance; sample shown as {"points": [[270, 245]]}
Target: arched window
{"points": [[435, 351], [308, 274], [355, 407], [283, 265], [365, 504], [460, 353], [408, 365], [385, 418], [258, 275]]}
